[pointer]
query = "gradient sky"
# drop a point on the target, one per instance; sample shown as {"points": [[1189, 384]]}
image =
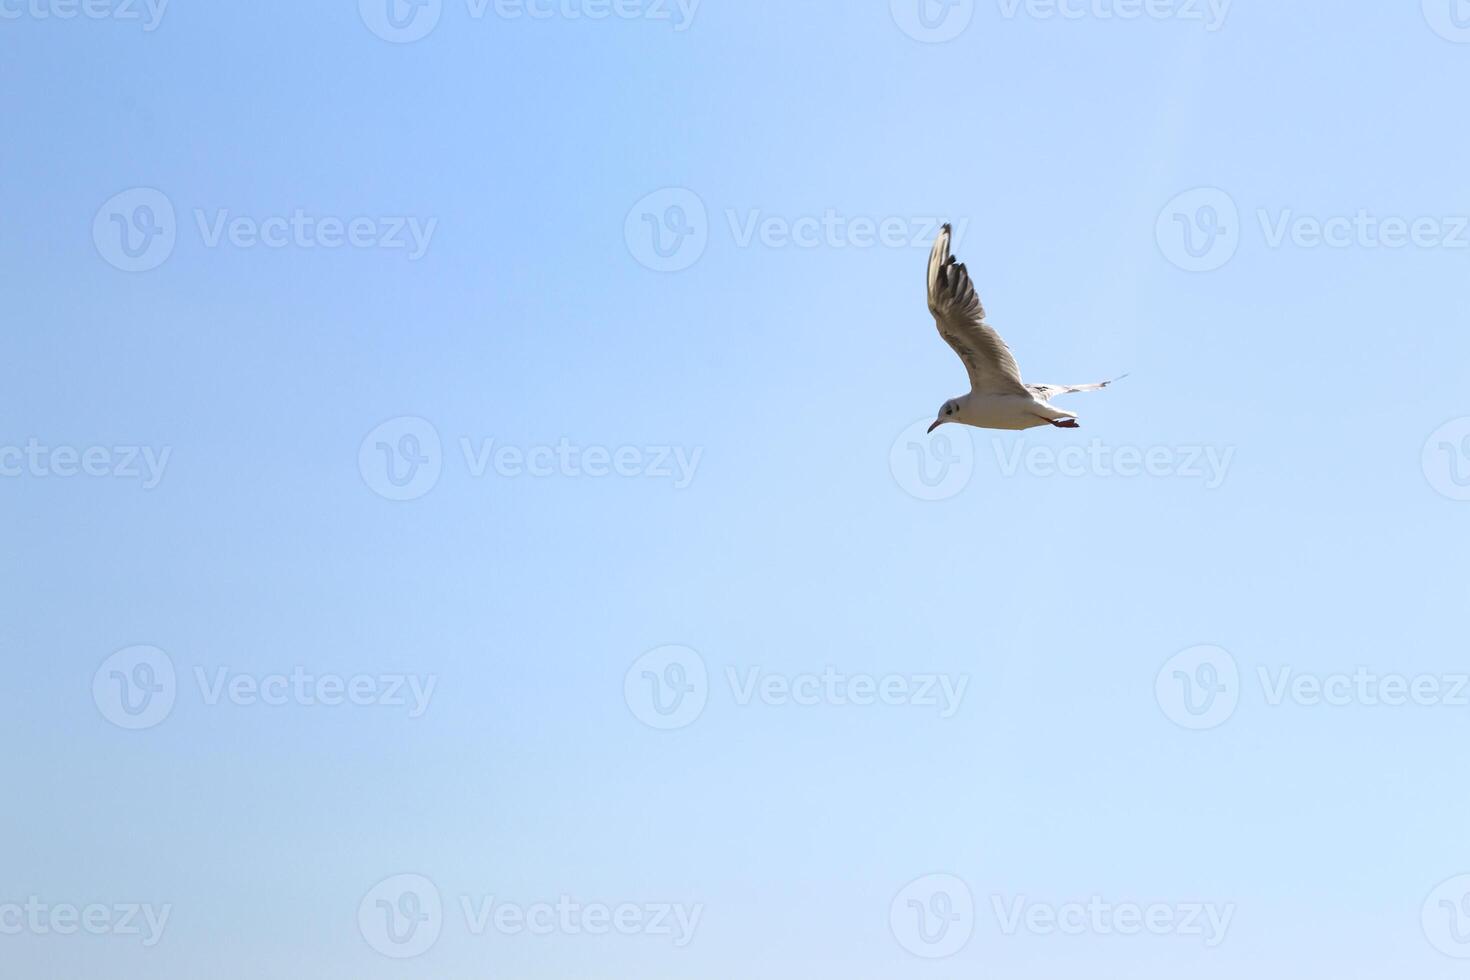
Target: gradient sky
{"points": [[567, 367]]}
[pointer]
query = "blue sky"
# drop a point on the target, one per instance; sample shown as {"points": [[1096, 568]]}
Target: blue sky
{"points": [[470, 515]]}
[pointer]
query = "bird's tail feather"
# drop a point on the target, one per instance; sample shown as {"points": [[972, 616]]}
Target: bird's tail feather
{"points": [[1099, 386]]}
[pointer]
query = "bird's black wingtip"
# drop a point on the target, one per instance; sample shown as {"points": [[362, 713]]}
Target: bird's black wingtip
{"points": [[947, 230]]}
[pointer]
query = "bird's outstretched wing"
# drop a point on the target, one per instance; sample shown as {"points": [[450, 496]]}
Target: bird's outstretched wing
{"points": [[1048, 392], [961, 321]]}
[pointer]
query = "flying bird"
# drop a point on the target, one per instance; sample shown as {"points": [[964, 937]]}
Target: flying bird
{"points": [[998, 399]]}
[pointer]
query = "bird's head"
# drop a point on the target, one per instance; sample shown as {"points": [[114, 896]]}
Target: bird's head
{"points": [[948, 412]]}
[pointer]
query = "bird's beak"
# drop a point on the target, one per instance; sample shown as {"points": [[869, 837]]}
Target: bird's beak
{"points": [[937, 424]]}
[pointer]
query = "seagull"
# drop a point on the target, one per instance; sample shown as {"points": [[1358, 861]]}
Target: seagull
{"points": [[998, 399]]}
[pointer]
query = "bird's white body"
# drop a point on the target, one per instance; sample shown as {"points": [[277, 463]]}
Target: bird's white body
{"points": [[998, 398], [1006, 411]]}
